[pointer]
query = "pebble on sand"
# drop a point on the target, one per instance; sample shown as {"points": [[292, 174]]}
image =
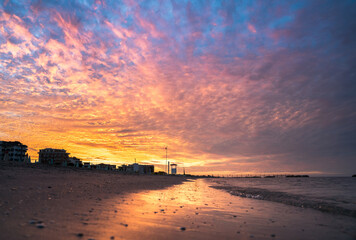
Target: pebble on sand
{"points": [[80, 234], [32, 221], [182, 228], [273, 235], [40, 225]]}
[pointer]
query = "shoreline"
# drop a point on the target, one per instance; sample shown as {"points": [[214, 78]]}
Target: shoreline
{"points": [[65, 203], [288, 199], [36, 198], [194, 210]]}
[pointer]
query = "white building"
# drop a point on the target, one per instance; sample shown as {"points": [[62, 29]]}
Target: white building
{"points": [[137, 168]]}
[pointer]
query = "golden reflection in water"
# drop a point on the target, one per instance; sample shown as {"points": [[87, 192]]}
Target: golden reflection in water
{"points": [[205, 213], [161, 214]]}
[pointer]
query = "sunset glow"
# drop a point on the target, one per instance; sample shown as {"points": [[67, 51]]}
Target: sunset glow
{"points": [[228, 86]]}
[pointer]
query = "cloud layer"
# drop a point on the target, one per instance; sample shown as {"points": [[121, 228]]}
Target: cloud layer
{"points": [[228, 86]]}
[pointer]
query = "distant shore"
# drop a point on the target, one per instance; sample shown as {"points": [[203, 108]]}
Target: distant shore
{"points": [[34, 198]]}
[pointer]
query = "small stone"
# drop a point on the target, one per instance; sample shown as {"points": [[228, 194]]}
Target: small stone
{"points": [[32, 221], [40, 225], [273, 235], [49, 187], [182, 228], [112, 237], [235, 216], [80, 234]]}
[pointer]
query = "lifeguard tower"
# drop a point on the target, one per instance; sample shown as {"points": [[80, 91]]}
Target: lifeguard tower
{"points": [[173, 168]]}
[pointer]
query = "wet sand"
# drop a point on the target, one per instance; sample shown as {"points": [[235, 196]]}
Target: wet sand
{"points": [[193, 210], [83, 207], [60, 203]]}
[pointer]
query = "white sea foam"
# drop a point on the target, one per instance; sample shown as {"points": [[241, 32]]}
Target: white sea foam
{"points": [[334, 195]]}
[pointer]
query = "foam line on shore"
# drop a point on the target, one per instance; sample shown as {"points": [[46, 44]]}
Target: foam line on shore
{"points": [[288, 198]]}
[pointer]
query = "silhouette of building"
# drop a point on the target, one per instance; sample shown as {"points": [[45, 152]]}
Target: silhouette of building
{"points": [[137, 168], [13, 151], [86, 165], [75, 162], [104, 166], [53, 156]]}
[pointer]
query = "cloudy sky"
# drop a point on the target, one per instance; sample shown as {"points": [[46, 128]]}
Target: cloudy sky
{"points": [[228, 86]]}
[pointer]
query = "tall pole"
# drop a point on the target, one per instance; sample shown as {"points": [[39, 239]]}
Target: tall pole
{"points": [[167, 159]]}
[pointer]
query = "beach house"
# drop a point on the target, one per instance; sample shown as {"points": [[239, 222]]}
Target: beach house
{"points": [[75, 162], [137, 168], [104, 166]]}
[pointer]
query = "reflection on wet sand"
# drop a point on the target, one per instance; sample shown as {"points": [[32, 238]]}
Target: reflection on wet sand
{"points": [[193, 210]]}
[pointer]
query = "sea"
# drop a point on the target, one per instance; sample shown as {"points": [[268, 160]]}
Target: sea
{"points": [[335, 195]]}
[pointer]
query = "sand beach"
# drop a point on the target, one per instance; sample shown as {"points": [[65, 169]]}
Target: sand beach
{"points": [[58, 203], [42, 202]]}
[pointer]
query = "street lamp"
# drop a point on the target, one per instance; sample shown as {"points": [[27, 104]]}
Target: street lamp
{"points": [[167, 160]]}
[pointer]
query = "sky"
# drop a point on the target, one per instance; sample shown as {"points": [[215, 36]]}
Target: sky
{"points": [[231, 87]]}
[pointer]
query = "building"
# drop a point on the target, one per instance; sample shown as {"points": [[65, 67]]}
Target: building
{"points": [[137, 168], [53, 156], [86, 165], [104, 166], [13, 151], [75, 162]]}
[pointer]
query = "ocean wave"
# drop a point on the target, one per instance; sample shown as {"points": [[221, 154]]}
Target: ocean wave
{"points": [[288, 198]]}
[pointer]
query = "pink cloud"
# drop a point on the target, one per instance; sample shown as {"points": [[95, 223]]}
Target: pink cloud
{"points": [[251, 28]]}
